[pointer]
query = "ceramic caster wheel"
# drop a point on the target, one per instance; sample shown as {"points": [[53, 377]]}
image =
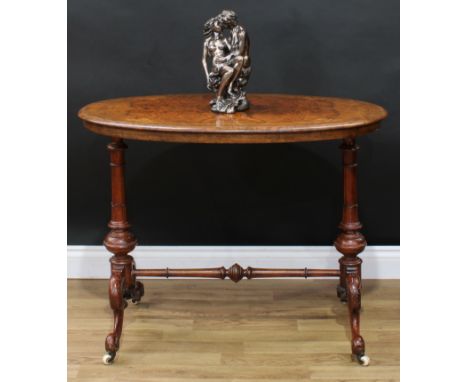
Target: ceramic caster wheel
{"points": [[108, 358], [364, 360]]}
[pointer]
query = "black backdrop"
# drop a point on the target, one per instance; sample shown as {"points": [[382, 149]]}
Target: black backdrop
{"points": [[182, 194]]}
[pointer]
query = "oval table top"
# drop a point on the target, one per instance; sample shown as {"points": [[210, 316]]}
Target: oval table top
{"points": [[272, 118]]}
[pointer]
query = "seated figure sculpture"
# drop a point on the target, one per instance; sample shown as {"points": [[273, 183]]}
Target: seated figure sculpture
{"points": [[227, 45]]}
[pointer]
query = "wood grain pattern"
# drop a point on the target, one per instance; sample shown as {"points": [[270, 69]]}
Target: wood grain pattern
{"points": [[272, 118], [211, 330]]}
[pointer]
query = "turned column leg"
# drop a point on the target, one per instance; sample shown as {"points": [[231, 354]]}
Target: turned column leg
{"points": [[120, 241], [350, 242]]}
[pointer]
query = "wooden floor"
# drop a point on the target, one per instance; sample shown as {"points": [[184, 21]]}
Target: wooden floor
{"points": [[213, 330]]}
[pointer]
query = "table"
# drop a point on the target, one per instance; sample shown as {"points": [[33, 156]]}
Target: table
{"points": [[272, 118]]}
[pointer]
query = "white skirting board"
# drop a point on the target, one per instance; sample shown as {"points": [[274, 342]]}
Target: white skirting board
{"points": [[92, 262]]}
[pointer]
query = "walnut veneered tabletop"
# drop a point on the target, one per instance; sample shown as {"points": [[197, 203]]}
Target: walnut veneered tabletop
{"points": [[272, 118]]}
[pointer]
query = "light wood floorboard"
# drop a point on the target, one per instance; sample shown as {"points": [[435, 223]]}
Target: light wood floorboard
{"points": [[212, 330]]}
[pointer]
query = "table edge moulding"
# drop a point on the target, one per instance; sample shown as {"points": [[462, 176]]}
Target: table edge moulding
{"points": [[271, 118]]}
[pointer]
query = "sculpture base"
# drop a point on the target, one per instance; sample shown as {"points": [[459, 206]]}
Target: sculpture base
{"points": [[229, 105]]}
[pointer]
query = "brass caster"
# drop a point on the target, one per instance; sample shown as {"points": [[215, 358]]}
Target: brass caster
{"points": [[108, 358]]}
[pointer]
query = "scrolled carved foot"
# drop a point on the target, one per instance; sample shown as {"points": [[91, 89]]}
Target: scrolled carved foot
{"points": [[118, 305], [358, 351], [358, 346], [112, 343], [353, 292]]}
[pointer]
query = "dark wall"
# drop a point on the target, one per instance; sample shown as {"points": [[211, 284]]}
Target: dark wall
{"points": [[181, 194]]}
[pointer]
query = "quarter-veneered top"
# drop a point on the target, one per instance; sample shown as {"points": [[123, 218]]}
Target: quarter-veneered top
{"points": [[272, 118]]}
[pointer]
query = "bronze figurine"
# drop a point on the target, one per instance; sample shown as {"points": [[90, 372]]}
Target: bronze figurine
{"points": [[227, 44]]}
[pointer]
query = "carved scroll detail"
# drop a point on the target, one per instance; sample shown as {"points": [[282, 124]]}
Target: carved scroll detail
{"points": [[354, 306], [120, 241], [118, 304]]}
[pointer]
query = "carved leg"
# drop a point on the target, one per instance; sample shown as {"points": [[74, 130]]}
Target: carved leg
{"points": [[350, 242], [118, 304], [120, 241], [353, 282]]}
